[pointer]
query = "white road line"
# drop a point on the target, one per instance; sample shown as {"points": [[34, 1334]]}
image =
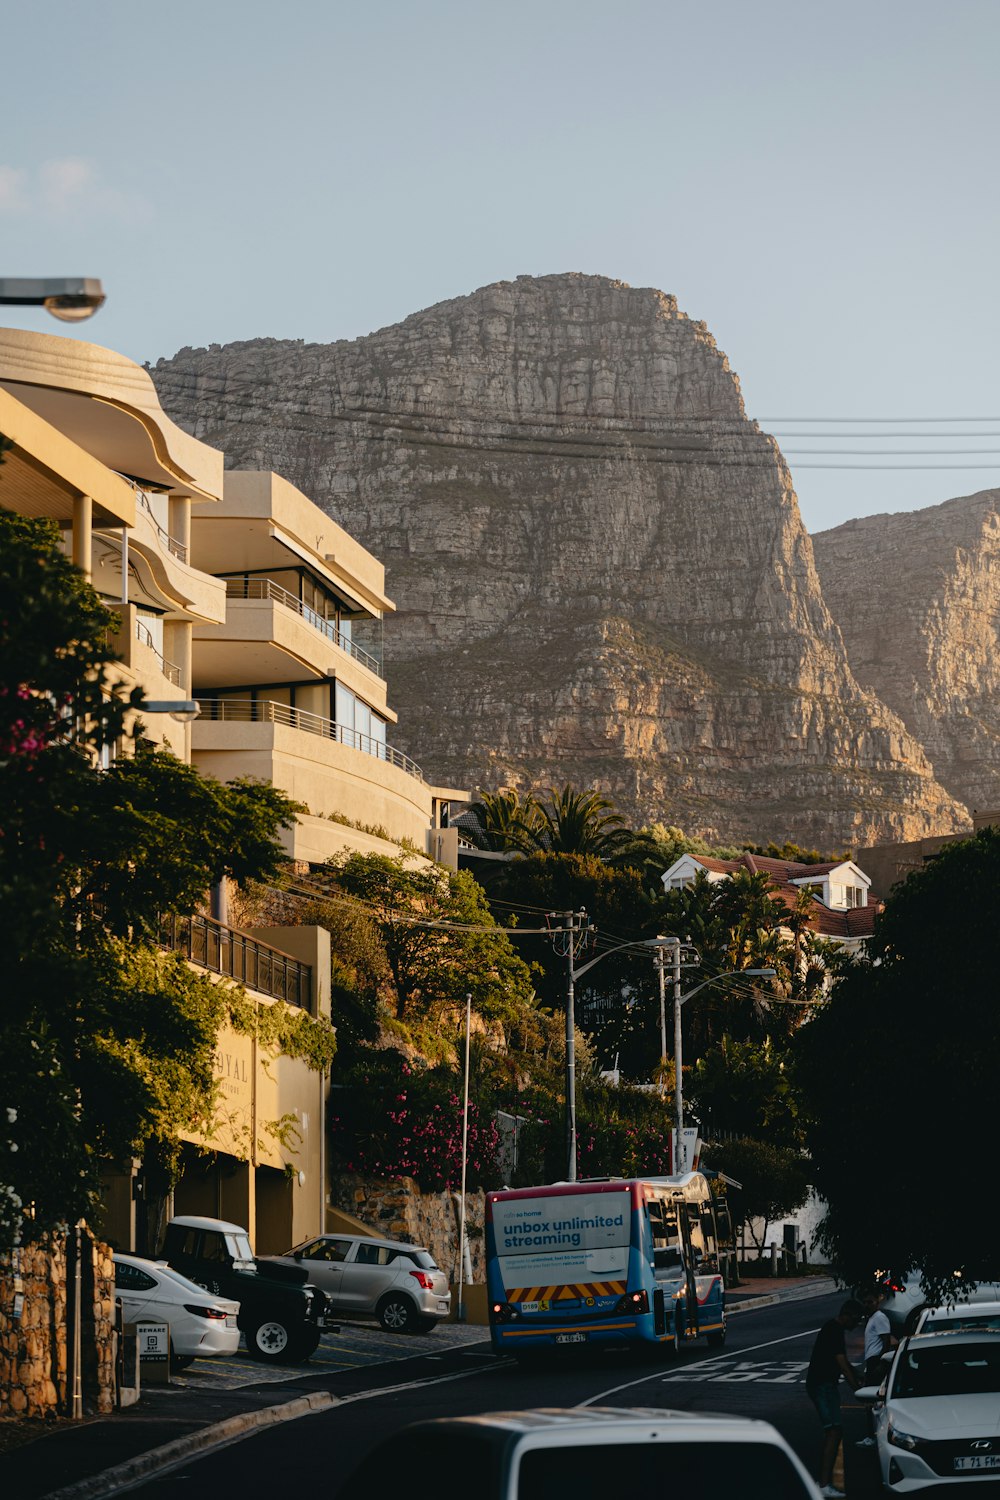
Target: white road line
{"points": [[698, 1365]]}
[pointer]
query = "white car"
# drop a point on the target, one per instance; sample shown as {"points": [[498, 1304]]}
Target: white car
{"points": [[906, 1299], [937, 1413], [200, 1323], [967, 1317], [585, 1451]]}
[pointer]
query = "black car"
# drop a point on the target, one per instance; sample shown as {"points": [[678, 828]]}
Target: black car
{"points": [[281, 1316]]}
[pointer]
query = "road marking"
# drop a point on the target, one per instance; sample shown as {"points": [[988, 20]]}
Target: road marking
{"points": [[659, 1375], [745, 1372]]}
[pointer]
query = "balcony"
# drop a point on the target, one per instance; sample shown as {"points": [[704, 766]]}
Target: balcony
{"points": [[264, 588], [242, 711], [170, 670], [223, 950]]}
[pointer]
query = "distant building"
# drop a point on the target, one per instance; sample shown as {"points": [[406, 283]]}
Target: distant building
{"points": [[891, 863], [843, 910]]}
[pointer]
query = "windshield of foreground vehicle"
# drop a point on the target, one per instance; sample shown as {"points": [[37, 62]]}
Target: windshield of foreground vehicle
{"points": [[594, 1471], [961, 1370], [966, 1322]]}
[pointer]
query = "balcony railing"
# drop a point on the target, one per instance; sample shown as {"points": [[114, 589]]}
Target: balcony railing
{"points": [[174, 547], [170, 670], [221, 949], [263, 588], [240, 711]]}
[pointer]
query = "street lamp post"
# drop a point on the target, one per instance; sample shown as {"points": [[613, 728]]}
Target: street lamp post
{"points": [[460, 1311], [679, 1000], [572, 975]]}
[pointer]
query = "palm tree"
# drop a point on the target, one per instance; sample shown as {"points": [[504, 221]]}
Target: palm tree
{"points": [[502, 821], [586, 823]]}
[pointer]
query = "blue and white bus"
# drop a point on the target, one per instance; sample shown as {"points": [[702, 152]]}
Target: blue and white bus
{"points": [[604, 1261]]}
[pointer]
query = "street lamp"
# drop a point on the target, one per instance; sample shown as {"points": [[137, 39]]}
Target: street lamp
{"points": [[572, 975], [679, 1000], [68, 298], [181, 709]]}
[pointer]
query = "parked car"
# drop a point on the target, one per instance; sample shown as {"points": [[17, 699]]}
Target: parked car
{"points": [[907, 1299], [968, 1317], [399, 1284], [200, 1323], [533, 1455], [937, 1413], [281, 1317]]}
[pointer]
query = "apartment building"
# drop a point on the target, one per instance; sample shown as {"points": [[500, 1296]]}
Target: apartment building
{"points": [[236, 589]]}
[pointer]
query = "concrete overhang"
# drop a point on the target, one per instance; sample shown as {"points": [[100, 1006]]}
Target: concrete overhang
{"points": [[46, 471], [109, 406]]}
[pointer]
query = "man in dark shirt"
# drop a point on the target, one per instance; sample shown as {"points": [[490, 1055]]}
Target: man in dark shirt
{"points": [[826, 1365]]}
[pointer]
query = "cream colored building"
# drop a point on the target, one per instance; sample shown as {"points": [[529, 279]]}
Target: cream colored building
{"points": [[237, 589]]}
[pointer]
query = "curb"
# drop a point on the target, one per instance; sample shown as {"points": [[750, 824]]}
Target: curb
{"points": [[170, 1455], [823, 1288]]}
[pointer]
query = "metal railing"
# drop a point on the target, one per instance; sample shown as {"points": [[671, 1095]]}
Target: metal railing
{"points": [[263, 588], [174, 547], [223, 950], [240, 711], [170, 670]]}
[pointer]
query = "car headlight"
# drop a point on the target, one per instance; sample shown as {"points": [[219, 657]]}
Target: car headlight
{"points": [[901, 1439]]}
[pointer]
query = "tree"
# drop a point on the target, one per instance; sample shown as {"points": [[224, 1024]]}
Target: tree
{"points": [[774, 1182], [429, 967], [106, 1042], [503, 820], [743, 1089], [898, 1075]]}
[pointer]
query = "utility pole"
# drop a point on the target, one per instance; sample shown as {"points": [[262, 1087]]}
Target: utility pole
{"points": [[568, 938], [681, 1162]]}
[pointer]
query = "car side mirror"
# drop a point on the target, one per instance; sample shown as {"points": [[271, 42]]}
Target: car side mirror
{"points": [[296, 1254], [868, 1392]]}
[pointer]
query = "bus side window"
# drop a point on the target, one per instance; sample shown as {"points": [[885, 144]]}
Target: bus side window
{"points": [[695, 1231]]}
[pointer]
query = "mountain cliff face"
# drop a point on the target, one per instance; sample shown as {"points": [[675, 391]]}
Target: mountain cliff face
{"points": [[917, 598], [599, 564]]}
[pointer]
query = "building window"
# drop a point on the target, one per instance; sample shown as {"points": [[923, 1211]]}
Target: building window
{"points": [[855, 895]]}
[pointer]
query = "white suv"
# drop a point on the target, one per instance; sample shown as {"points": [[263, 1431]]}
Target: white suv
{"points": [[399, 1284]]}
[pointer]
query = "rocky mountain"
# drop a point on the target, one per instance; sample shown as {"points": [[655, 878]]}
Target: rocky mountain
{"points": [[917, 599], [601, 572]]}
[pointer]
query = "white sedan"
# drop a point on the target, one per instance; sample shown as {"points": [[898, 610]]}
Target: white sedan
{"points": [[968, 1317], [200, 1323], [937, 1414]]}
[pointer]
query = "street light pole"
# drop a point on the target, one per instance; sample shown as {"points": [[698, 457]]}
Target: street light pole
{"points": [[460, 1310], [680, 1164]]}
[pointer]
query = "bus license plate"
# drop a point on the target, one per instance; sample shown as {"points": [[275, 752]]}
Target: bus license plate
{"points": [[571, 1338], [982, 1463]]}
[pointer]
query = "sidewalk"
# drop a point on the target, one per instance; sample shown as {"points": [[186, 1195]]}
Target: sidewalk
{"points": [[94, 1459]]}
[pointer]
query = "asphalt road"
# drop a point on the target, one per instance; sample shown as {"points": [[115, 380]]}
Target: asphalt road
{"points": [[760, 1373]]}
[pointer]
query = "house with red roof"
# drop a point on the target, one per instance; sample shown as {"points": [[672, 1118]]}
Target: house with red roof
{"points": [[843, 910]]}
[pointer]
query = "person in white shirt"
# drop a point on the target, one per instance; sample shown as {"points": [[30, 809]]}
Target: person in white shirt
{"points": [[878, 1337]]}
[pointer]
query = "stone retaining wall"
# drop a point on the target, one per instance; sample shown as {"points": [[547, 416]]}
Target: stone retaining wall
{"points": [[398, 1210], [36, 1282]]}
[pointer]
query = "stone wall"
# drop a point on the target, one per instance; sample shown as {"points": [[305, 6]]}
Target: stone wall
{"points": [[398, 1210], [36, 1283]]}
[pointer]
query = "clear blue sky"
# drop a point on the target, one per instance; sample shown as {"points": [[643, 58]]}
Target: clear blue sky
{"points": [[817, 182]]}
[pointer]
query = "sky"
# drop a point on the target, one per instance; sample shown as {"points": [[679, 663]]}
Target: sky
{"points": [[817, 182]]}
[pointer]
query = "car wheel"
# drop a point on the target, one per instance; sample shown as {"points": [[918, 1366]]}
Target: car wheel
{"points": [[180, 1361], [424, 1325], [271, 1342], [396, 1315]]}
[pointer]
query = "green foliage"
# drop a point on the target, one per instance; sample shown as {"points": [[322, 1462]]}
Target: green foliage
{"points": [[775, 1181], [898, 1075], [391, 1119], [671, 843], [744, 1089], [568, 822], [503, 820], [422, 970], [794, 853]]}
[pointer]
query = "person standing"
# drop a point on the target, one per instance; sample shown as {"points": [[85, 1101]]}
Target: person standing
{"points": [[878, 1337], [827, 1363]]}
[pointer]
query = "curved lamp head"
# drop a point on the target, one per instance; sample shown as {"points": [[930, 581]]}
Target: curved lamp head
{"points": [[181, 709], [68, 298]]}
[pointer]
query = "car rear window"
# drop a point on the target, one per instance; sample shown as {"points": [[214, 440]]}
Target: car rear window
{"points": [[709, 1468], [446, 1464]]}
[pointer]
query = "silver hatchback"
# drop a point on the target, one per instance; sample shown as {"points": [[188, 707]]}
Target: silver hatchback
{"points": [[399, 1284]]}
